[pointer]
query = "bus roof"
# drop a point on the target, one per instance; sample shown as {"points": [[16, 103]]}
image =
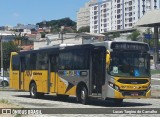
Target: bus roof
{"points": [[108, 44], [55, 49]]}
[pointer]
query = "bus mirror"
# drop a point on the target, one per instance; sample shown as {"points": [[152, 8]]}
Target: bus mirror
{"points": [[108, 59]]}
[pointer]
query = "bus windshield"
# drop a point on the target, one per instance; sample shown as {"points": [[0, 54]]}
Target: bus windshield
{"points": [[130, 64]]}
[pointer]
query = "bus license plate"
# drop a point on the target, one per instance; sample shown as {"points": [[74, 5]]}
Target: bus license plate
{"points": [[134, 94]]}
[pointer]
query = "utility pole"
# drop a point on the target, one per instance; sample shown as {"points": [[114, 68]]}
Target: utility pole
{"points": [[156, 56], [2, 59], [62, 29]]}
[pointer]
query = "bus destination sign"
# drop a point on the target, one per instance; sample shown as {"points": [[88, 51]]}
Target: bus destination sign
{"points": [[129, 46]]}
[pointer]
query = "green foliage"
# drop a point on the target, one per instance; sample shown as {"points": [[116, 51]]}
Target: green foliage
{"points": [[43, 34], [111, 36], [8, 47], [155, 71], [134, 35], [19, 38], [84, 29], [150, 41], [4, 101], [116, 34], [56, 24]]}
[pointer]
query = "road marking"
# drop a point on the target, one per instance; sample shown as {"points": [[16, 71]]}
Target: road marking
{"points": [[155, 79], [155, 85]]}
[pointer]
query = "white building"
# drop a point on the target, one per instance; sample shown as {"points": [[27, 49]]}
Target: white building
{"points": [[118, 14], [83, 15], [68, 38]]}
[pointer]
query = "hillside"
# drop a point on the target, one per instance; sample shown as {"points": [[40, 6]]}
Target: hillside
{"points": [[56, 24]]}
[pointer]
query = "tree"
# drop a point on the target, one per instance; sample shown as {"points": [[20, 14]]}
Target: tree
{"points": [[116, 34], [19, 38], [84, 29], [67, 22], [134, 35], [8, 47], [110, 36]]}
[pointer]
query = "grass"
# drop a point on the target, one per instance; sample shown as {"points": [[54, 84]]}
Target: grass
{"points": [[4, 101], [155, 71]]}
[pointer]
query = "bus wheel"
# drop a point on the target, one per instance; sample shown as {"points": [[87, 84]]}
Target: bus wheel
{"points": [[33, 90], [118, 101], [4, 83], [82, 97]]}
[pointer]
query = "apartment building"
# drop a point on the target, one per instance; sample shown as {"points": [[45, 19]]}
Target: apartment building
{"points": [[111, 15], [83, 15]]}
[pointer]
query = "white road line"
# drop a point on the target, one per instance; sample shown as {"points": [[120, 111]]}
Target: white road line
{"points": [[155, 79], [155, 85]]}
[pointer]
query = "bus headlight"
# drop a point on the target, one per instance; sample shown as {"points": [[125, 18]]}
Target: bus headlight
{"points": [[114, 86]]}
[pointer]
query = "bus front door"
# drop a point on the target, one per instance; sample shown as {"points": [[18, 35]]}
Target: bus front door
{"points": [[21, 73], [53, 73], [98, 70]]}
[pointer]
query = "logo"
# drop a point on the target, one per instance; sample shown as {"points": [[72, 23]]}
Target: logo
{"points": [[29, 73], [6, 111]]}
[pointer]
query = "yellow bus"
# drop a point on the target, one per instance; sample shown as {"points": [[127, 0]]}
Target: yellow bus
{"points": [[105, 70]]}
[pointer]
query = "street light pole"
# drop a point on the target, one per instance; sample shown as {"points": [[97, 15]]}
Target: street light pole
{"points": [[62, 28], [2, 59]]}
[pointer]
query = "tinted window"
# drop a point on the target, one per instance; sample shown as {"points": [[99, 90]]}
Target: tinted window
{"points": [[30, 61], [77, 59], [15, 62], [66, 60], [81, 59], [27, 62], [42, 61]]}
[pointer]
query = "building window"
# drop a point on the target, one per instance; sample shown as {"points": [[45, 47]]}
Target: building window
{"points": [[130, 2], [118, 11], [130, 14], [118, 27], [118, 16], [118, 5], [118, 21], [95, 8], [130, 8], [130, 24], [130, 19]]}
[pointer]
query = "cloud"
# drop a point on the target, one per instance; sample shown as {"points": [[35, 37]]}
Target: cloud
{"points": [[15, 15]]}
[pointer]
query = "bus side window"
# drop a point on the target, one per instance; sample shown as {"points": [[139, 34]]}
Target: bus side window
{"points": [[42, 61], [54, 62], [15, 62], [23, 66], [27, 62]]}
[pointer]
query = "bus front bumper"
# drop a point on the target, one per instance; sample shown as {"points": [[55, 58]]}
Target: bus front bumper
{"points": [[132, 94]]}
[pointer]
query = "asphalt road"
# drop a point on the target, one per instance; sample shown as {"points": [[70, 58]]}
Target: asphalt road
{"points": [[93, 108]]}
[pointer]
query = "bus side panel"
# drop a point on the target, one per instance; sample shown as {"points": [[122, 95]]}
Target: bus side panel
{"points": [[14, 80], [65, 87], [22, 81], [53, 82], [41, 79], [62, 85]]}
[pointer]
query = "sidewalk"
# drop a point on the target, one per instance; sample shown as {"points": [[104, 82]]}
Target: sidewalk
{"points": [[155, 89], [155, 76]]}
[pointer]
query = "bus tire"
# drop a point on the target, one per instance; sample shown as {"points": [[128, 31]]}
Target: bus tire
{"points": [[4, 83], [33, 90], [82, 95], [118, 101]]}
